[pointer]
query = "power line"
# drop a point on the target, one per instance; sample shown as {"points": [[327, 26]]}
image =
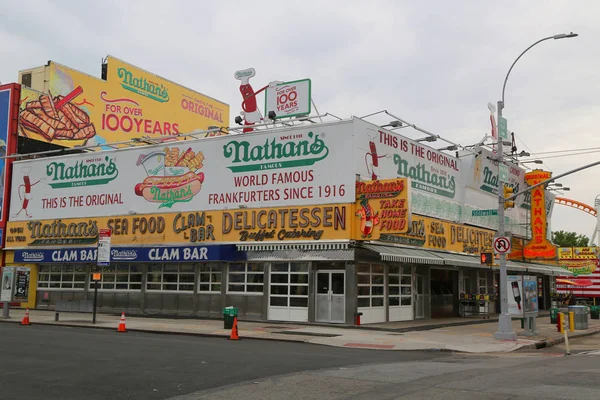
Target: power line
{"points": [[568, 155], [531, 152]]}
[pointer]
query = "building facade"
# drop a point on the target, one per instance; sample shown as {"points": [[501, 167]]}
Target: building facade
{"points": [[317, 223]]}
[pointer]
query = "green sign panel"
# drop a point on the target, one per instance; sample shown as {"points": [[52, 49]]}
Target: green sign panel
{"points": [[484, 213], [502, 128], [503, 172]]}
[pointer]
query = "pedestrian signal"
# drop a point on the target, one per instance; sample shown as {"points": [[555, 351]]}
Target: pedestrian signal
{"points": [[487, 258]]}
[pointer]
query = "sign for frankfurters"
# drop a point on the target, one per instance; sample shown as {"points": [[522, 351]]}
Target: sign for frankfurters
{"points": [[268, 169]]}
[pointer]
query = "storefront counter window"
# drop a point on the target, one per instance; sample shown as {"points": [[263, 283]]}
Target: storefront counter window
{"points": [[246, 278], [400, 285], [171, 277], [371, 285], [62, 276], [288, 285], [120, 277], [210, 278]]}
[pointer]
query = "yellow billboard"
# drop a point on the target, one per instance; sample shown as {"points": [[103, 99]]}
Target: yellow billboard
{"points": [[131, 103], [435, 234], [382, 206], [280, 224]]}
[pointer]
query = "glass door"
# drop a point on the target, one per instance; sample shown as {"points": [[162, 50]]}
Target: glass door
{"points": [[331, 297]]}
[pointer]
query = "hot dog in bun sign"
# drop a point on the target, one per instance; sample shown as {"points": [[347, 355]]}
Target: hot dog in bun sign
{"points": [[173, 176]]}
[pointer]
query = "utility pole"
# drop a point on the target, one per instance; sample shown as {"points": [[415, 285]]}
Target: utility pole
{"points": [[505, 330]]}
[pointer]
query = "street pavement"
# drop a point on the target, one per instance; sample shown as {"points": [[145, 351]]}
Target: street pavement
{"points": [[66, 363], [512, 376], [72, 363], [474, 338]]}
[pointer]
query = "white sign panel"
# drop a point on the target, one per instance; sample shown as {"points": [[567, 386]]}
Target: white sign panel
{"points": [[502, 245], [515, 295], [436, 178], [482, 174], [302, 166], [483, 184], [289, 99], [8, 278], [104, 247]]}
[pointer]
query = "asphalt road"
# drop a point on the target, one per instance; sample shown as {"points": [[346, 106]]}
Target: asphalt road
{"points": [[49, 362]]}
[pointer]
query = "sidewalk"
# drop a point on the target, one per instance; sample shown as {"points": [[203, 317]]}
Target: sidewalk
{"points": [[473, 338]]}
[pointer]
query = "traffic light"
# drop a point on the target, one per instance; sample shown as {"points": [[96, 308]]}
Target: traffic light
{"points": [[508, 191], [487, 258]]}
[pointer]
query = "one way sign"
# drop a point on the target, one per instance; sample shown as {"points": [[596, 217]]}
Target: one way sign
{"points": [[502, 245]]}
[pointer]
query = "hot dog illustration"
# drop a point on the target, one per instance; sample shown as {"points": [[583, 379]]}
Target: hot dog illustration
{"points": [[159, 189], [368, 218], [24, 191], [173, 176]]}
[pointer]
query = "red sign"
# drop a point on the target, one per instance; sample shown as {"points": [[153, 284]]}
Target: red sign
{"points": [[104, 233], [539, 246]]}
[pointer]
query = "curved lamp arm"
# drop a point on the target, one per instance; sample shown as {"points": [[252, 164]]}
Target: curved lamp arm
{"points": [[559, 36]]}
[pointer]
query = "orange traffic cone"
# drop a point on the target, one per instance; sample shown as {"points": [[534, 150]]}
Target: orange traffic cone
{"points": [[234, 330], [122, 327], [26, 317]]}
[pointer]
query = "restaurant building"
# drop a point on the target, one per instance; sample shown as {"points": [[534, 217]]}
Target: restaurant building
{"points": [[312, 223]]}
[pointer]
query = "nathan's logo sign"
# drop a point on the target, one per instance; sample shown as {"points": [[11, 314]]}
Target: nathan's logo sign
{"points": [[282, 224], [142, 86], [174, 176], [88, 172], [436, 182], [382, 207], [491, 180], [276, 153], [60, 233], [123, 255], [539, 246]]}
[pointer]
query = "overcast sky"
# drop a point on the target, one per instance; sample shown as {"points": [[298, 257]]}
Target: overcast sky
{"points": [[434, 63]]}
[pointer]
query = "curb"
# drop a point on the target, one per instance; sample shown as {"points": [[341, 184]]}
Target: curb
{"points": [[553, 342], [158, 332]]}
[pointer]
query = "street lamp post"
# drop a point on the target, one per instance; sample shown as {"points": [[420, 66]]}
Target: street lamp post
{"points": [[505, 330]]}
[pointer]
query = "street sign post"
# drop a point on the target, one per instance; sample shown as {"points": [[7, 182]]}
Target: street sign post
{"points": [[502, 245], [102, 261], [484, 213]]}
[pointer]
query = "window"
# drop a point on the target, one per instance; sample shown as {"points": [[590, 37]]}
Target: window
{"points": [[246, 278], [400, 285], [171, 277], [288, 285], [120, 277], [62, 276], [371, 285], [210, 278], [482, 282]]}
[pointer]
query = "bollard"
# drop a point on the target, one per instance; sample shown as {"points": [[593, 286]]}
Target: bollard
{"points": [[571, 321], [567, 348], [559, 322]]}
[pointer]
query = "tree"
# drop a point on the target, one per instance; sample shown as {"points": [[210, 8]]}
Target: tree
{"points": [[569, 239]]}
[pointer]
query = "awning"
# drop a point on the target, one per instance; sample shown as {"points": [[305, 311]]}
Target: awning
{"points": [[318, 246], [545, 269], [301, 255], [460, 260], [402, 254]]}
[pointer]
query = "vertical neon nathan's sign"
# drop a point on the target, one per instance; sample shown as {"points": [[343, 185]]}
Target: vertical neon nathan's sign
{"points": [[539, 246]]}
